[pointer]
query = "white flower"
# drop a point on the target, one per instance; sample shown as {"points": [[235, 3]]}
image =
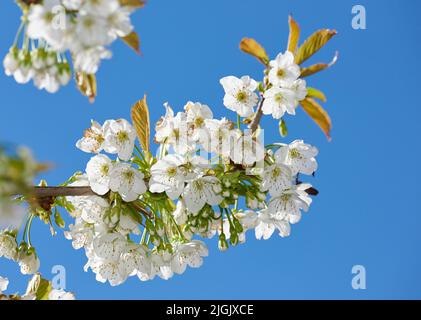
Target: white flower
{"points": [[135, 259], [93, 139], [60, 295], [4, 283], [240, 94], [99, 7], [119, 22], [283, 70], [88, 60], [98, 171], [47, 21], [127, 181], [298, 156], [168, 176], [299, 87], [92, 30], [290, 202], [127, 225], [180, 213], [80, 234], [197, 113], [247, 150], [8, 247], [278, 101], [11, 62], [218, 136], [120, 138], [173, 131], [28, 262], [93, 209], [201, 191], [268, 222], [188, 254], [276, 178]]}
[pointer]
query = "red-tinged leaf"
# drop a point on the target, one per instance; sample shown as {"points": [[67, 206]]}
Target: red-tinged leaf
{"points": [[141, 122], [133, 41], [294, 35], [87, 85], [313, 44], [305, 72], [252, 47], [318, 114], [133, 3], [315, 93]]}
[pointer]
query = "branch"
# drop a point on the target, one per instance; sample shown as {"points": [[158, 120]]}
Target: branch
{"points": [[45, 192], [255, 123]]}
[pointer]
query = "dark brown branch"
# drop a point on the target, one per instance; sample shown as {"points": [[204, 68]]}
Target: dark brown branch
{"points": [[44, 192], [255, 123]]}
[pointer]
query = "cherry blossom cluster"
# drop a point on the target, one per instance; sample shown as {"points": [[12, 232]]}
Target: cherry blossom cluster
{"points": [[34, 292], [54, 30], [210, 178]]}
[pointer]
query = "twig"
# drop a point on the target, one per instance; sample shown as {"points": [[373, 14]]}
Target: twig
{"points": [[45, 192], [255, 123]]}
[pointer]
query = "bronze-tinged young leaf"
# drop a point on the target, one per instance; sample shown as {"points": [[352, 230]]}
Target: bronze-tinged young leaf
{"points": [[313, 44], [140, 118], [283, 130], [294, 35], [133, 41], [305, 72], [318, 114], [87, 85], [133, 3], [315, 93], [252, 47]]}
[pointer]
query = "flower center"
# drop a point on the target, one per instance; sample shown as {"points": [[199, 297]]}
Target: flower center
{"points": [[276, 172], [199, 185], [104, 169], [241, 96], [279, 98], [198, 122], [122, 136], [88, 22], [129, 176], [280, 73], [285, 197], [171, 172], [294, 153]]}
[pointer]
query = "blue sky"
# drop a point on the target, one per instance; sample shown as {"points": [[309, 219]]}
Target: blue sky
{"points": [[366, 213]]}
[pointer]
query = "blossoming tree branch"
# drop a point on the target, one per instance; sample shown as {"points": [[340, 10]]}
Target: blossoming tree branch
{"points": [[54, 32], [139, 214]]}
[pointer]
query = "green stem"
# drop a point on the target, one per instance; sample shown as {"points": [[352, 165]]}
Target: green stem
{"points": [[22, 24], [29, 230], [238, 121]]}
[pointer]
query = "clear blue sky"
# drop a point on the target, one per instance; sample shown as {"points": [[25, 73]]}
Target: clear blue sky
{"points": [[367, 211]]}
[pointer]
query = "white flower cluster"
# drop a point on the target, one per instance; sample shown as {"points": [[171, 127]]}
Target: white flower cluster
{"points": [[53, 28], [285, 89]]}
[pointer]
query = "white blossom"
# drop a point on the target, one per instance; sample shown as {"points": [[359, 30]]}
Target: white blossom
{"points": [[201, 191], [276, 178], [127, 181], [98, 171], [88, 60], [247, 150], [60, 294], [283, 70], [268, 223], [4, 283], [120, 138], [240, 94], [8, 246], [298, 156], [290, 202], [188, 254], [92, 140], [278, 101], [28, 262]]}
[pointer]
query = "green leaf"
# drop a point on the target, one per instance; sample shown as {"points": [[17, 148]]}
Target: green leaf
{"points": [[315, 93], [283, 130], [305, 72], [58, 219], [313, 44], [294, 35], [318, 114], [133, 41], [252, 47], [87, 85], [141, 122]]}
